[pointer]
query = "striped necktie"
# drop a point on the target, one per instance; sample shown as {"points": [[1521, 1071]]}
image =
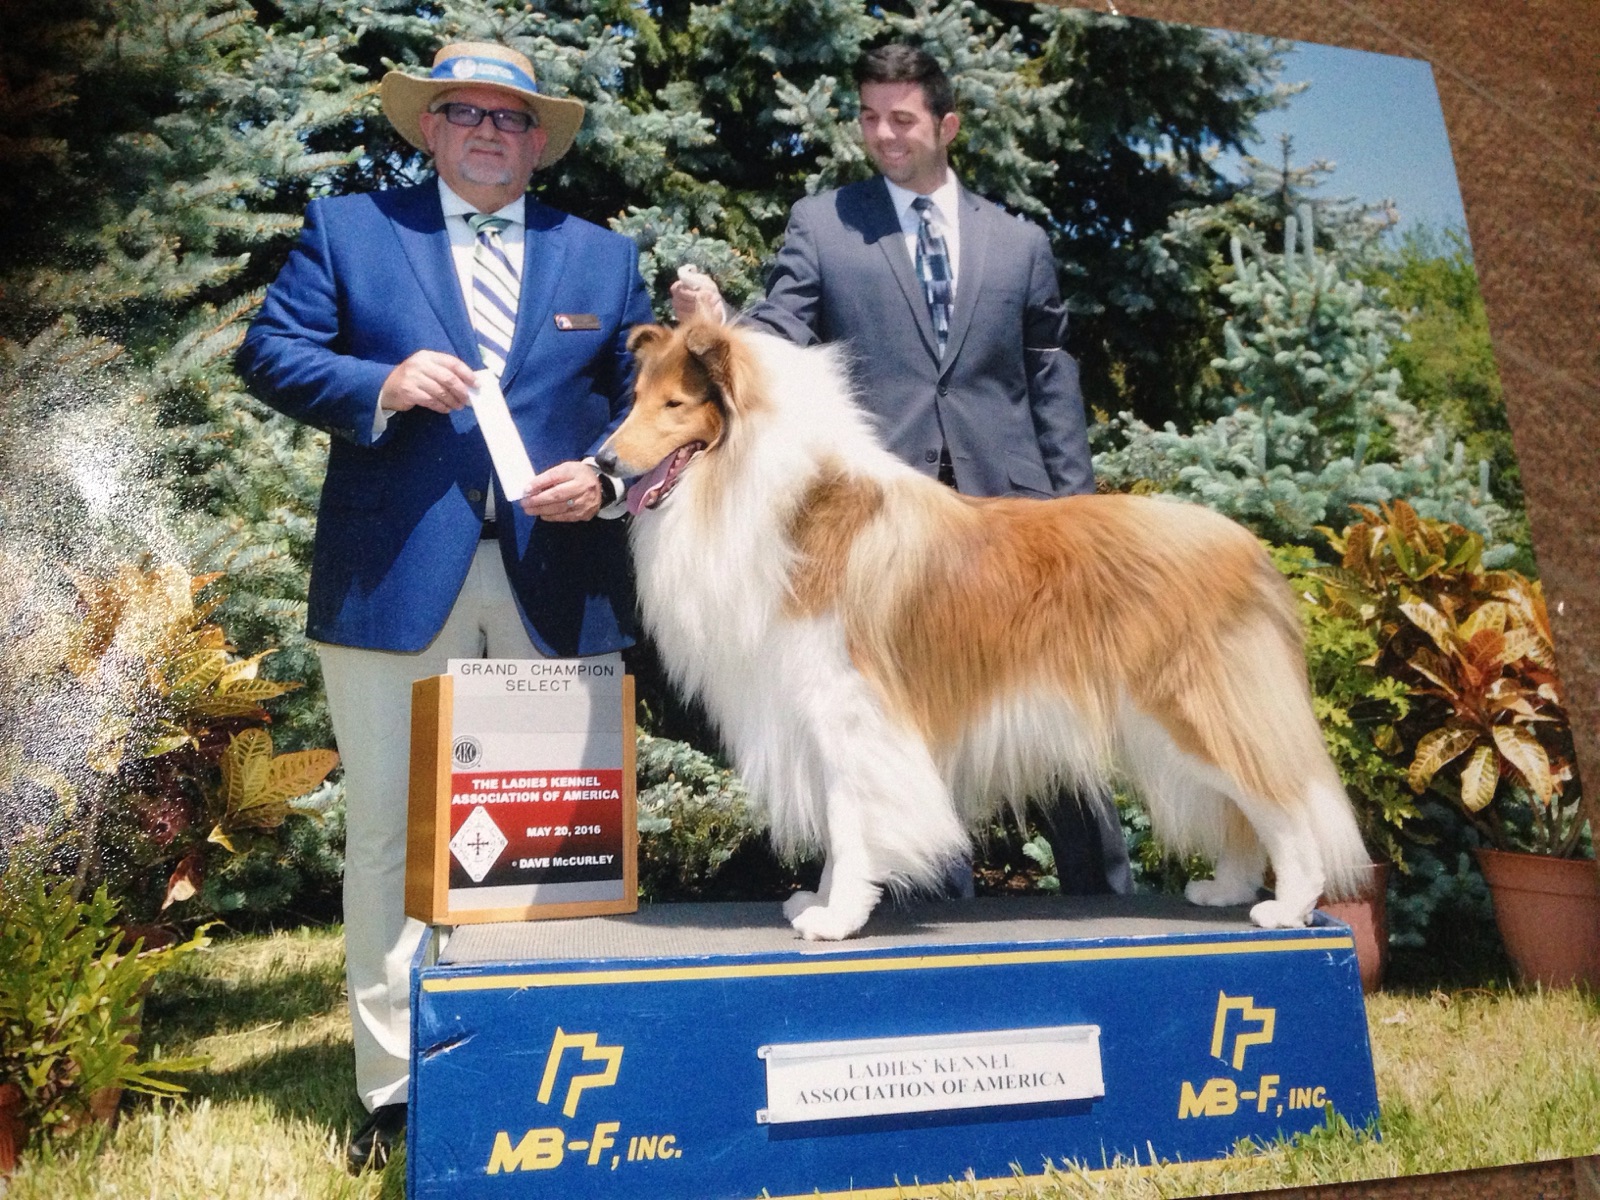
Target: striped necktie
{"points": [[495, 288], [933, 268]]}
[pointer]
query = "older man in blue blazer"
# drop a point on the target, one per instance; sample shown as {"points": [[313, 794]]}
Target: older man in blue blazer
{"points": [[373, 331], [957, 332]]}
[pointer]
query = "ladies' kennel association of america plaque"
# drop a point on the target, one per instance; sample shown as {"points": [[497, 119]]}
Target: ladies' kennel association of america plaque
{"points": [[522, 791]]}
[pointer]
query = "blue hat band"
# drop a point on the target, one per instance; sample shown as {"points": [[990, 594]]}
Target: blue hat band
{"points": [[471, 69]]}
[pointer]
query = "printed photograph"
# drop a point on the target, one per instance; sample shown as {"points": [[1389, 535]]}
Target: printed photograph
{"points": [[1098, 730]]}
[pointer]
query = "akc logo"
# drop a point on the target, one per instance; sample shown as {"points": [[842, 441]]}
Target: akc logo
{"points": [[467, 751]]}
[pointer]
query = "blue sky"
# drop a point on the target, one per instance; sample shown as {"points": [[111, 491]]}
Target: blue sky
{"points": [[1377, 118]]}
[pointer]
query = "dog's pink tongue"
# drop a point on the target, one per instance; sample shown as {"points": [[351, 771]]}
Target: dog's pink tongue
{"points": [[646, 490]]}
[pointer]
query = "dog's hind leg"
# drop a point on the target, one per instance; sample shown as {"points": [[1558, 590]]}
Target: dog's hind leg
{"points": [[1237, 710], [1240, 864], [1253, 830], [1196, 807], [1192, 812], [1296, 862], [1314, 853], [1299, 838]]}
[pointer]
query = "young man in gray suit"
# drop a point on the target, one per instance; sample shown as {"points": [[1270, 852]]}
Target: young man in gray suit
{"points": [[957, 328]]}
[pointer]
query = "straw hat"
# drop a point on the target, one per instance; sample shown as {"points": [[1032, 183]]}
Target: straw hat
{"points": [[480, 64]]}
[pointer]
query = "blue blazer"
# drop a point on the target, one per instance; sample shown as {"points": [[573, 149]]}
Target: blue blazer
{"points": [[1004, 397], [370, 282]]}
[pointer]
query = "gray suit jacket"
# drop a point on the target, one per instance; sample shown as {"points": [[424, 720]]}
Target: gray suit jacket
{"points": [[1006, 391]]}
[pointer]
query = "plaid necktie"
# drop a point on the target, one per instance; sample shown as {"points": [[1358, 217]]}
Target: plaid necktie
{"points": [[495, 288], [933, 268]]}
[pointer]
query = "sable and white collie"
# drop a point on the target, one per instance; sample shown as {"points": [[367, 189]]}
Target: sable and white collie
{"points": [[889, 661]]}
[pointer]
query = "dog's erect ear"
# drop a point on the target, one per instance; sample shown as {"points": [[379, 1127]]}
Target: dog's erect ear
{"points": [[709, 345], [645, 336]]}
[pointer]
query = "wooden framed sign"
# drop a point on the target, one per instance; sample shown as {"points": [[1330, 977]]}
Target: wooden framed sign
{"points": [[522, 799]]}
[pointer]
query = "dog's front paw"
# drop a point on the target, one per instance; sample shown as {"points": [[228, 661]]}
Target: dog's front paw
{"points": [[1276, 914], [824, 923], [1219, 893], [798, 903]]}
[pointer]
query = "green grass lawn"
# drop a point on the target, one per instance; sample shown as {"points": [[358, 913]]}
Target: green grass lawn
{"points": [[269, 1116], [1472, 1078]]}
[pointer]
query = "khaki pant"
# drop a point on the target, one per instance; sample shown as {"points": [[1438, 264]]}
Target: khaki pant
{"points": [[369, 699]]}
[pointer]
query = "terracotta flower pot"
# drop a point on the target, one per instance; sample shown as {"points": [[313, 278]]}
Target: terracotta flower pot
{"points": [[1548, 911], [1367, 914], [12, 1135]]}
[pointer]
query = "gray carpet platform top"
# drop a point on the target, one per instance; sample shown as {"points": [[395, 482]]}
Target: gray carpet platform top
{"points": [[743, 928]]}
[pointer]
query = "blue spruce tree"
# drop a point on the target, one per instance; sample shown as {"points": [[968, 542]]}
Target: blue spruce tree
{"points": [[1312, 421]]}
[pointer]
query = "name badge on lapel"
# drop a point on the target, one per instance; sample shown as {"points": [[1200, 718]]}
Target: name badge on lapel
{"points": [[571, 321]]}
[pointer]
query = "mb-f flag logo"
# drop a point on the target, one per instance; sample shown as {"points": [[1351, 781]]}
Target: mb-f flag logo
{"points": [[590, 1050], [1250, 1026]]}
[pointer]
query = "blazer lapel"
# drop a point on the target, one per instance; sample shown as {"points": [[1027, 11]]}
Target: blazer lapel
{"points": [[419, 224], [544, 254], [969, 280], [885, 230]]}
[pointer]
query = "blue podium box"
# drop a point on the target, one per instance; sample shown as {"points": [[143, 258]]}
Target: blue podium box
{"points": [[699, 1051]]}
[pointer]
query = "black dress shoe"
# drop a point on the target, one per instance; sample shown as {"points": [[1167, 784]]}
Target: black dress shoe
{"points": [[371, 1145]]}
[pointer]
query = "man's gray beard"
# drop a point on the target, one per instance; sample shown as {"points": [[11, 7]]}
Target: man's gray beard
{"points": [[486, 178]]}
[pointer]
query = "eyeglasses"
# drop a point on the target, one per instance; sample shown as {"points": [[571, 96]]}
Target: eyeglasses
{"points": [[470, 116]]}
